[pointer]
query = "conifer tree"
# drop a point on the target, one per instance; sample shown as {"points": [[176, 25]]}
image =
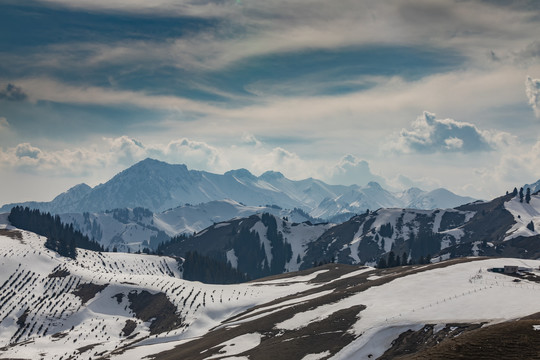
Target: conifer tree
{"points": [[521, 195], [528, 196], [391, 259]]}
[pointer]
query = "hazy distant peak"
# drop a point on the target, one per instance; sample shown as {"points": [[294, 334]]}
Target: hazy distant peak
{"points": [[76, 191], [374, 185], [240, 173], [149, 162], [272, 175]]}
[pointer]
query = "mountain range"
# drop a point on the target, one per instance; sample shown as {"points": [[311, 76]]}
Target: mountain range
{"points": [[266, 244], [138, 228], [158, 186]]}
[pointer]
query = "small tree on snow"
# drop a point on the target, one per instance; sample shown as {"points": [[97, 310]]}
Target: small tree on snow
{"points": [[530, 226], [528, 195], [521, 195]]}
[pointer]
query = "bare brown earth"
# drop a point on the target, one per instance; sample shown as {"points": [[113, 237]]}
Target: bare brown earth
{"points": [[512, 340], [155, 307], [129, 327], [330, 334], [12, 234], [88, 291]]}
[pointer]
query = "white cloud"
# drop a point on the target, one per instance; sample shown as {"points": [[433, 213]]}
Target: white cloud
{"points": [[126, 150], [514, 168], [427, 134], [118, 153], [250, 139], [30, 159], [279, 159], [453, 143], [532, 89], [197, 154], [352, 170]]}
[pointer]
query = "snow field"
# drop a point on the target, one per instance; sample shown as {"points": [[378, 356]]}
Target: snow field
{"points": [[459, 293], [523, 214], [58, 323]]}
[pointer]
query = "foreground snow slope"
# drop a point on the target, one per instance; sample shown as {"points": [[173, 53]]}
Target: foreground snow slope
{"points": [[356, 313], [53, 307], [126, 306]]}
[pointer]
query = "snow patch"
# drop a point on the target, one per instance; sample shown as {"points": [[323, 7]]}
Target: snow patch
{"points": [[232, 258], [237, 345], [316, 356]]}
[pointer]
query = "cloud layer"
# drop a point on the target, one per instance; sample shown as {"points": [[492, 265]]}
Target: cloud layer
{"points": [[306, 87]]}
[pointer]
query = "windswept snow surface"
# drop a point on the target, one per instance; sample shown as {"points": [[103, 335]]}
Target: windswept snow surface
{"points": [[524, 214]]}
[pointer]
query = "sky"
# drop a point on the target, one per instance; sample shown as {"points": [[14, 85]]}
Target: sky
{"points": [[424, 93]]}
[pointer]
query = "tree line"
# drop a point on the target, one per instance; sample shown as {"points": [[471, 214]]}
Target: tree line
{"points": [[197, 267], [393, 260], [61, 238]]}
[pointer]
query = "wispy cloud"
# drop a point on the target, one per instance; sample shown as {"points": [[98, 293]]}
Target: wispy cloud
{"points": [[532, 89]]}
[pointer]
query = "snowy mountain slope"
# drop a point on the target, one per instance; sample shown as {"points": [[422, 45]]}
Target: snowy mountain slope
{"points": [[159, 186], [437, 199], [526, 217], [125, 306], [535, 187], [406, 232], [138, 228], [354, 313], [55, 307], [501, 227], [259, 245]]}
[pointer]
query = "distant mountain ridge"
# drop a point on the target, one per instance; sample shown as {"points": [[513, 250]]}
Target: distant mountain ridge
{"points": [[138, 228], [502, 227], [159, 186]]}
